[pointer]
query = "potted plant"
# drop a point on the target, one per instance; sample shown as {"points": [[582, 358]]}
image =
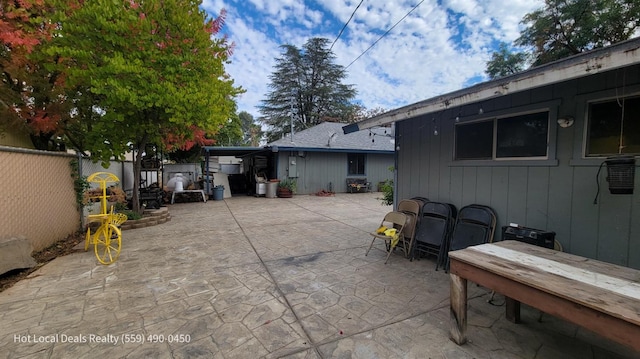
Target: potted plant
{"points": [[286, 188]]}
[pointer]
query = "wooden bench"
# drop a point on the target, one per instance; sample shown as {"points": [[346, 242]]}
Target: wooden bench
{"points": [[601, 297], [358, 185], [173, 195]]}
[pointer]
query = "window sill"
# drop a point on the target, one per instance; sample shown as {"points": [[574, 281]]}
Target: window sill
{"points": [[505, 163], [589, 161]]}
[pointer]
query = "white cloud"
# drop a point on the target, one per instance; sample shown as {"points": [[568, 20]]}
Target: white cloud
{"points": [[436, 49]]}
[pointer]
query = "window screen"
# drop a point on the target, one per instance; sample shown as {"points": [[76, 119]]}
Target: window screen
{"points": [[611, 121], [522, 136], [356, 163], [474, 141]]}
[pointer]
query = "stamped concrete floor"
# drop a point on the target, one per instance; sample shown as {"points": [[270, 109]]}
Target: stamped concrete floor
{"points": [[266, 278]]}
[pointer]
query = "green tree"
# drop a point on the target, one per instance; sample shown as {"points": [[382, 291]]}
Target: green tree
{"points": [[505, 63], [230, 134], [146, 72], [568, 27], [359, 113], [251, 131], [306, 89]]}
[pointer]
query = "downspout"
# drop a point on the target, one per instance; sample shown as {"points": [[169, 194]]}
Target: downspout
{"points": [[276, 160]]}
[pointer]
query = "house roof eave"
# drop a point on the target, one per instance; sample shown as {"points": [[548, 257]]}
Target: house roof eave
{"points": [[331, 150]]}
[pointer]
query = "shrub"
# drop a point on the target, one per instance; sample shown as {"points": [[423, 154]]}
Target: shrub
{"points": [[387, 193]]}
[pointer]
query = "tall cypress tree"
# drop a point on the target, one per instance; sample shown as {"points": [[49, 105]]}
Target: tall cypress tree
{"points": [[306, 88]]}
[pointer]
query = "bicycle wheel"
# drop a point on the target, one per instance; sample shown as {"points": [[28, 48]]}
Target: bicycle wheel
{"points": [[107, 243]]}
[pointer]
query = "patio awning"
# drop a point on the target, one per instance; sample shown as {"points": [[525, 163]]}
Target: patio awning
{"points": [[236, 151]]}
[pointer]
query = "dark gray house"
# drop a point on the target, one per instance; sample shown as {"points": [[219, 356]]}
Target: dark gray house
{"points": [[323, 157], [533, 146]]}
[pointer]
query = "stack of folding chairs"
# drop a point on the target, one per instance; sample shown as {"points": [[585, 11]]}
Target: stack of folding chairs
{"points": [[434, 230]]}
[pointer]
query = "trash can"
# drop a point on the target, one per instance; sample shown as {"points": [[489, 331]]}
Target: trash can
{"points": [[218, 193], [272, 189]]}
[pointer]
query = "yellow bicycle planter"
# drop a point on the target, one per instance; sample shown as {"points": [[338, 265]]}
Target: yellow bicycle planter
{"points": [[107, 240]]}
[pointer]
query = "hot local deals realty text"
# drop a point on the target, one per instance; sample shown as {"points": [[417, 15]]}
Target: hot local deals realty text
{"points": [[64, 338]]}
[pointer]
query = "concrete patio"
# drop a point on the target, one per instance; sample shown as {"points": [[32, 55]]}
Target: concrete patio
{"points": [[266, 278]]}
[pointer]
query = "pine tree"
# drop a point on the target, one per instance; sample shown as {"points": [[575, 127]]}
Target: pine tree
{"points": [[306, 89]]}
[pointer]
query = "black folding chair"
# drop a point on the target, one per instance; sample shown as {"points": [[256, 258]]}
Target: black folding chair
{"points": [[434, 230], [475, 224]]}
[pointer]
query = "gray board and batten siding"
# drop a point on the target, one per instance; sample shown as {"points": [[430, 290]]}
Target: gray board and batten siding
{"points": [[318, 170], [321, 156], [554, 194]]}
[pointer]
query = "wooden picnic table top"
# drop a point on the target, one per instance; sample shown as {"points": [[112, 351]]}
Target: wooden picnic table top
{"points": [[602, 286]]}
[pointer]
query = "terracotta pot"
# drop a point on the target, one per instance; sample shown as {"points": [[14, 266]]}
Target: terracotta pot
{"points": [[284, 192]]}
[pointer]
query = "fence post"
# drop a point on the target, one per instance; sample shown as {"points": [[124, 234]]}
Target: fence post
{"points": [[78, 176]]}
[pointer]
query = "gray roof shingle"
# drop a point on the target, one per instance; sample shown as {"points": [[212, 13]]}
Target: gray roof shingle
{"points": [[330, 136]]}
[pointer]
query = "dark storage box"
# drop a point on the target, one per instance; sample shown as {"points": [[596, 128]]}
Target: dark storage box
{"points": [[529, 235]]}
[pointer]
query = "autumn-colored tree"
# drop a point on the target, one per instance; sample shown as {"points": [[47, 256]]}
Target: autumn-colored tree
{"points": [[29, 98], [142, 72]]}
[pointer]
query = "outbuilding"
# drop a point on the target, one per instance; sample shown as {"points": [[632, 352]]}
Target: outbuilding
{"points": [[322, 157]]}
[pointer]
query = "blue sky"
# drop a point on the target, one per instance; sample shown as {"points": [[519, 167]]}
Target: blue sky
{"points": [[442, 46]]}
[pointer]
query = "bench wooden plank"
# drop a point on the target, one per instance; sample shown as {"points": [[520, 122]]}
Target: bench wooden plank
{"points": [[590, 295], [599, 296], [599, 278], [571, 259], [173, 195]]}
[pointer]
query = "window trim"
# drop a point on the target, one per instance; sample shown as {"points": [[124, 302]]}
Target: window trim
{"points": [[364, 164], [531, 158], [587, 127], [580, 157]]}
